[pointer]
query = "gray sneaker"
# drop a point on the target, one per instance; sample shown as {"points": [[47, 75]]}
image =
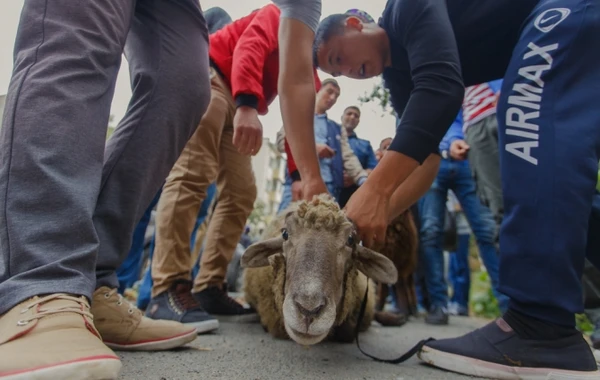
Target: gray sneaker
{"points": [[177, 304]]}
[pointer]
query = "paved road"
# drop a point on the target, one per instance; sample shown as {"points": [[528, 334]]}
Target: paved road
{"points": [[245, 351]]}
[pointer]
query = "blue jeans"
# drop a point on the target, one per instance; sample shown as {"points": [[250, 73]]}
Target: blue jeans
{"points": [[145, 290], [459, 273], [129, 271], [455, 175]]}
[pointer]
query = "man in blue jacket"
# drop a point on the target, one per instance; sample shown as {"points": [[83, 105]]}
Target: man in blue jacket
{"points": [[334, 151], [362, 149]]}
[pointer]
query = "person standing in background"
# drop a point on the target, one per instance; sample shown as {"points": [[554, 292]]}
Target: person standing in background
{"points": [[362, 150]]}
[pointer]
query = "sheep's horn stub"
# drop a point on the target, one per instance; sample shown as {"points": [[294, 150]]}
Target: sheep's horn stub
{"points": [[257, 255]]}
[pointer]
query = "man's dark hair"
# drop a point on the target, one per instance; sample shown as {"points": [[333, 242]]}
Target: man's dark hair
{"points": [[330, 81], [332, 25], [352, 108]]}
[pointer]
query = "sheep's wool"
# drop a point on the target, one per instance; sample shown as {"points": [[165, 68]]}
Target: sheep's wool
{"points": [[321, 213]]}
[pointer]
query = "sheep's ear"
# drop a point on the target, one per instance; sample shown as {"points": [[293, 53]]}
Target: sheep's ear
{"points": [[376, 266], [257, 255]]}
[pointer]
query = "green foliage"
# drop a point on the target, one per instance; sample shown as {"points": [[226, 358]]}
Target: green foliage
{"points": [[381, 95], [482, 301], [111, 127], [583, 324]]}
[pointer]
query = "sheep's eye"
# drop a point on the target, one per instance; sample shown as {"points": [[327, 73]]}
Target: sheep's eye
{"points": [[350, 240], [284, 234]]}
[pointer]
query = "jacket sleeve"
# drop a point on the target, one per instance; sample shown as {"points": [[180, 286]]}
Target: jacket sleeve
{"points": [[423, 28], [372, 163], [256, 43], [351, 163], [455, 132]]}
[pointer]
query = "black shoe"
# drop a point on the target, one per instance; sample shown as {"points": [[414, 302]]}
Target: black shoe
{"points": [[177, 304], [497, 352], [463, 311], [437, 316], [216, 301]]}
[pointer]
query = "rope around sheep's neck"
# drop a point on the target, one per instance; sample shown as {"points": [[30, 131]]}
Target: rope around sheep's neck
{"points": [[409, 354]]}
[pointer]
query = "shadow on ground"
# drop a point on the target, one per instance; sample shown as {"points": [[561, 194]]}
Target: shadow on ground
{"points": [[245, 351]]}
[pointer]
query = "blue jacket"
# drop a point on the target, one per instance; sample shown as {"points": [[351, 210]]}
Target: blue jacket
{"points": [[454, 133], [363, 151], [334, 140]]}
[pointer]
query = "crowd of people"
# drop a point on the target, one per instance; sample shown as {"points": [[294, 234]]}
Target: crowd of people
{"points": [[500, 125]]}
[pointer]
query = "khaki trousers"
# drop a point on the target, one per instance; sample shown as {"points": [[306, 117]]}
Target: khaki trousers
{"points": [[208, 156]]}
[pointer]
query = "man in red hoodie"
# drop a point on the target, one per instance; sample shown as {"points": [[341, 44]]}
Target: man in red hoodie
{"points": [[244, 72]]}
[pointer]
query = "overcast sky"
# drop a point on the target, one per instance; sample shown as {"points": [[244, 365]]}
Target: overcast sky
{"points": [[373, 126]]}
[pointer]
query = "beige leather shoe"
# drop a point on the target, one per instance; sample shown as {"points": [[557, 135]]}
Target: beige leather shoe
{"points": [[53, 337], [124, 327]]}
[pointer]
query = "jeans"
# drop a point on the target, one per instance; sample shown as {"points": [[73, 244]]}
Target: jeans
{"points": [[128, 273], [459, 273], [455, 176]]}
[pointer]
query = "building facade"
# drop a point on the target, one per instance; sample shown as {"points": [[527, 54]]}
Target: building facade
{"points": [[269, 170]]}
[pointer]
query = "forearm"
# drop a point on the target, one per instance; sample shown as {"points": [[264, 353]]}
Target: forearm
{"points": [[393, 169], [415, 186], [297, 95]]}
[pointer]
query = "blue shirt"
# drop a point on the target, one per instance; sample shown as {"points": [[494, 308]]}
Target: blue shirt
{"points": [[363, 151], [437, 48], [321, 135], [454, 133]]}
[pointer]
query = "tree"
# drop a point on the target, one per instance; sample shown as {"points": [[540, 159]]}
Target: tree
{"points": [[258, 218], [381, 95], [111, 127]]}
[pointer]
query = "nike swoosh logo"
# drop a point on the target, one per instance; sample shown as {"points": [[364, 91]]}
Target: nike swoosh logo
{"points": [[548, 19]]}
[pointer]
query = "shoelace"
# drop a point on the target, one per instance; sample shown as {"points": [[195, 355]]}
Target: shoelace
{"points": [[112, 292], [185, 300], [42, 312]]}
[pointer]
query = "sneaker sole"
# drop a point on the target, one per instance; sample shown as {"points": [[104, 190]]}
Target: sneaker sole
{"points": [[242, 318], [94, 368], [204, 326], [480, 368], [157, 344]]}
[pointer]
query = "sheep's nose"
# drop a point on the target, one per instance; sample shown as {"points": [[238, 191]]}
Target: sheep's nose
{"points": [[310, 306]]}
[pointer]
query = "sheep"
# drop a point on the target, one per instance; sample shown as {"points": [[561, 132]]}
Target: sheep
{"points": [[401, 246], [308, 276]]}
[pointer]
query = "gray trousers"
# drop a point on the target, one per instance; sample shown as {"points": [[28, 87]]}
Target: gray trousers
{"points": [[484, 160], [68, 203]]}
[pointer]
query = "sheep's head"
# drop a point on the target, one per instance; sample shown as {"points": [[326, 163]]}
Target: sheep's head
{"points": [[319, 246]]}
